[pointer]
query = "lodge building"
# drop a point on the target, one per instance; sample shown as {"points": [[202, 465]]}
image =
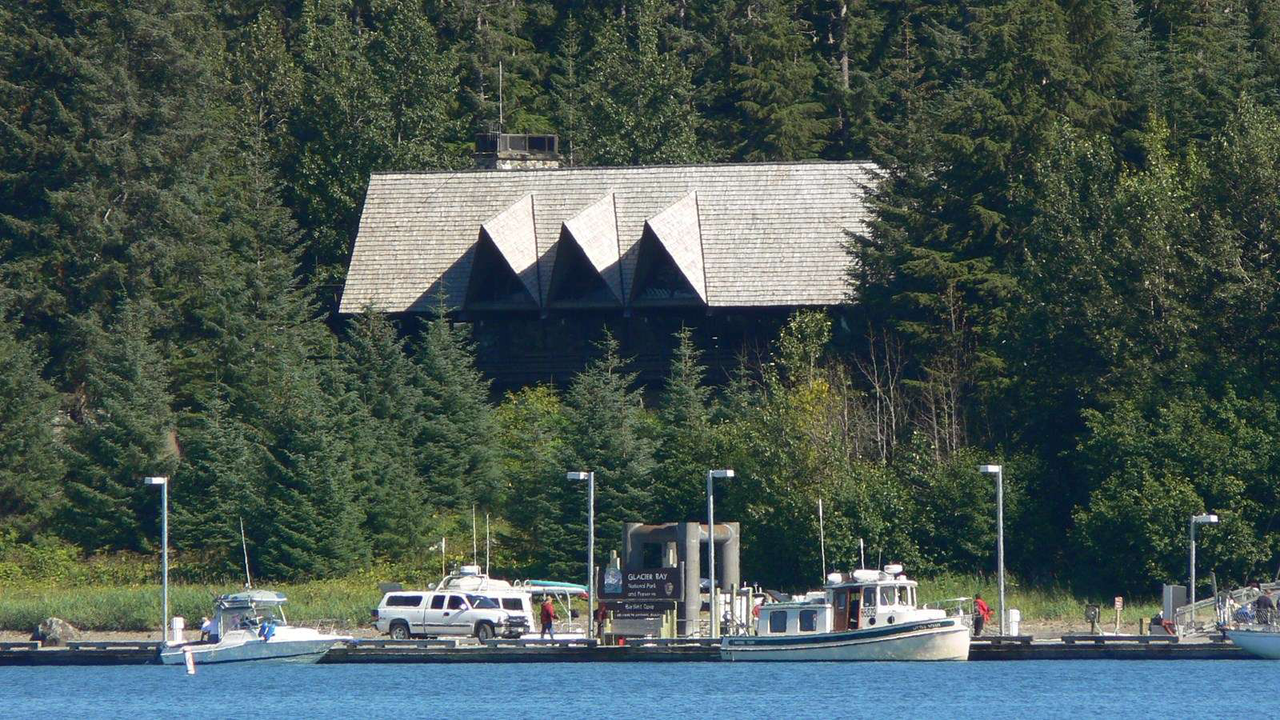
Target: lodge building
{"points": [[540, 259]]}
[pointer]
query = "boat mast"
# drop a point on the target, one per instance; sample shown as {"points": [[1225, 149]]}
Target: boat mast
{"points": [[475, 555], [248, 581], [486, 543]]}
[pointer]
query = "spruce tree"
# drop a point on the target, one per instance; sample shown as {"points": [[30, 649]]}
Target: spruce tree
{"points": [[123, 432], [686, 444], [31, 458], [382, 382], [607, 434], [773, 80], [638, 118], [455, 445]]}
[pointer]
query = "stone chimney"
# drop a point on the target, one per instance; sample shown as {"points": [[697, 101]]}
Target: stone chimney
{"points": [[506, 151]]}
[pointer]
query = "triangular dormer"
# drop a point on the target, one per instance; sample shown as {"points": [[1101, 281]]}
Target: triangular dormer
{"points": [[504, 268], [669, 268], [587, 270], [575, 282], [494, 284]]}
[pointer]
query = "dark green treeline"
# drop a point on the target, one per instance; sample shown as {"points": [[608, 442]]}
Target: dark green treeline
{"points": [[1073, 269]]}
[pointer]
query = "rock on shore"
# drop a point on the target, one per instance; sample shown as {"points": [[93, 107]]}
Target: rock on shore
{"points": [[55, 631]]}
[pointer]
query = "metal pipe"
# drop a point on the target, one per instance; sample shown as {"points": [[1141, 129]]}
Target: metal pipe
{"points": [[1000, 541], [1191, 590], [711, 554], [591, 554], [164, 540]]}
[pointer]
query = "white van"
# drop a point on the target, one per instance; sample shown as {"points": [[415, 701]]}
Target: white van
{"points": [[404, 614]]}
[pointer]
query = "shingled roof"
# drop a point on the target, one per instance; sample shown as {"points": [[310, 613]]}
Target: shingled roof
{"points": [[766, 234]]}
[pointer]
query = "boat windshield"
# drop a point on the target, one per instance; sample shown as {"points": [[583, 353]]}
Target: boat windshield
{"points": [[482, 602]]}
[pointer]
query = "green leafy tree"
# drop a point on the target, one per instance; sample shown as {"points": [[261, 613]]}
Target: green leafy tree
{"points": [[531, 427]]}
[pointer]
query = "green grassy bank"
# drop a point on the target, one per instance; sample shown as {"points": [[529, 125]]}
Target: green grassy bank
{"points": [[137, 607], [346, 602], [1037, 603]]}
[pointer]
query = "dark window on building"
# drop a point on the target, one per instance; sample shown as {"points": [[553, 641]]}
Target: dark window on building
{"points": [[404, 601], [808, 620], [778, 621]]}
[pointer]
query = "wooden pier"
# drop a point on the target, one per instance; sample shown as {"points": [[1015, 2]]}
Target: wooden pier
{"points": [[1071, 647]]}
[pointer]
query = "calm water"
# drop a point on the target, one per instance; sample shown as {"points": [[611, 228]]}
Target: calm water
{"points": [[1024, 690]]}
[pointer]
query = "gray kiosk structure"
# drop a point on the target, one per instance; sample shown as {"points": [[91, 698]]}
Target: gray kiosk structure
{"points": [[680, 545]]}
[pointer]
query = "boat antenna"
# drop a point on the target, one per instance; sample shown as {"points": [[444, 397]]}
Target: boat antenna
{"points": [[475, 553], [862, 556], [442, 570], [486, 543], [822, 541], [880, 559], [248, 581]]}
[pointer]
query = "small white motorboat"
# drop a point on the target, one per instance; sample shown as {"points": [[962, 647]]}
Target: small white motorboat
{"points": [[251, 625], [865, 615]]}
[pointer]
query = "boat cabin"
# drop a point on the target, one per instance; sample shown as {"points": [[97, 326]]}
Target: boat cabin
{"points": [[850, 601], [248, 610]]}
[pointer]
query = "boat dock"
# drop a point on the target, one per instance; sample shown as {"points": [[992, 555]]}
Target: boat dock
{"points": [[1071, 647]]}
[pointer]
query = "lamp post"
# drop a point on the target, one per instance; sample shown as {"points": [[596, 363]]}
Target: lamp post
{"points": [[1206, 519], [998, 471], [712, 475], [163, 482], [590, 477]]}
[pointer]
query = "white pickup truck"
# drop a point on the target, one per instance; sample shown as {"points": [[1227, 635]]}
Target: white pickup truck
{"points": [[404, 614]]}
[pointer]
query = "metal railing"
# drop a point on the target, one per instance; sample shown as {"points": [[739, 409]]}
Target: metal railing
{"points": [[1231, 608]]}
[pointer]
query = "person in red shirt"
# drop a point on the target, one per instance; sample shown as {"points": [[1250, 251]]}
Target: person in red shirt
{"points": [[982, 614], [548, 618]]}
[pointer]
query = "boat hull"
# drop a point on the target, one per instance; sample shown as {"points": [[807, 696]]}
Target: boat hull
{"points": [[1263, 643], [919, 641], [295, 651]]}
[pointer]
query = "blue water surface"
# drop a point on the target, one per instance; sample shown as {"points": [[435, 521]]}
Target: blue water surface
{"points": [[892, 691]]}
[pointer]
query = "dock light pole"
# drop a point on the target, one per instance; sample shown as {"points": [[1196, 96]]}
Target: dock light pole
{"points": [[713, 475], [163, 482], [590, 477], [1206, 519], [998, 471]]}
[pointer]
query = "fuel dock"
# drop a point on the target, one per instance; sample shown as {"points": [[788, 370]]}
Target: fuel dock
{"points": [[1070, 647]]}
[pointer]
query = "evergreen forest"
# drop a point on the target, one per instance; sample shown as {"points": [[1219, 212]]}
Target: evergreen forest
{"points": [[1072, 269]]}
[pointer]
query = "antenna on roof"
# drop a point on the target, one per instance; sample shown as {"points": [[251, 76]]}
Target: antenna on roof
{"points": [[248, 581], [501, 126]]}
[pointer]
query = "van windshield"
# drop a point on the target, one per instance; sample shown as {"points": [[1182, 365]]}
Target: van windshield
{"points": [[480, 601]]}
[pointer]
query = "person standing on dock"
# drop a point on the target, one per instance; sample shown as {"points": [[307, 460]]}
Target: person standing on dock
{"points": [[982, 614], [1265, 609], [548, 618]]}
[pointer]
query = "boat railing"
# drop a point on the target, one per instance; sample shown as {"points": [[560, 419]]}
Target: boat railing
{"points": [[1235, 608], [961, 607]]}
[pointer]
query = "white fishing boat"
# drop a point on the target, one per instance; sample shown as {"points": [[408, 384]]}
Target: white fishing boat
{"points": [[251, 625], [864, 615], [1260, 640]]}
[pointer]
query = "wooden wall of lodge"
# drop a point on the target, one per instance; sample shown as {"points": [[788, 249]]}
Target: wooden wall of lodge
{"points": [[515, 349]]}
